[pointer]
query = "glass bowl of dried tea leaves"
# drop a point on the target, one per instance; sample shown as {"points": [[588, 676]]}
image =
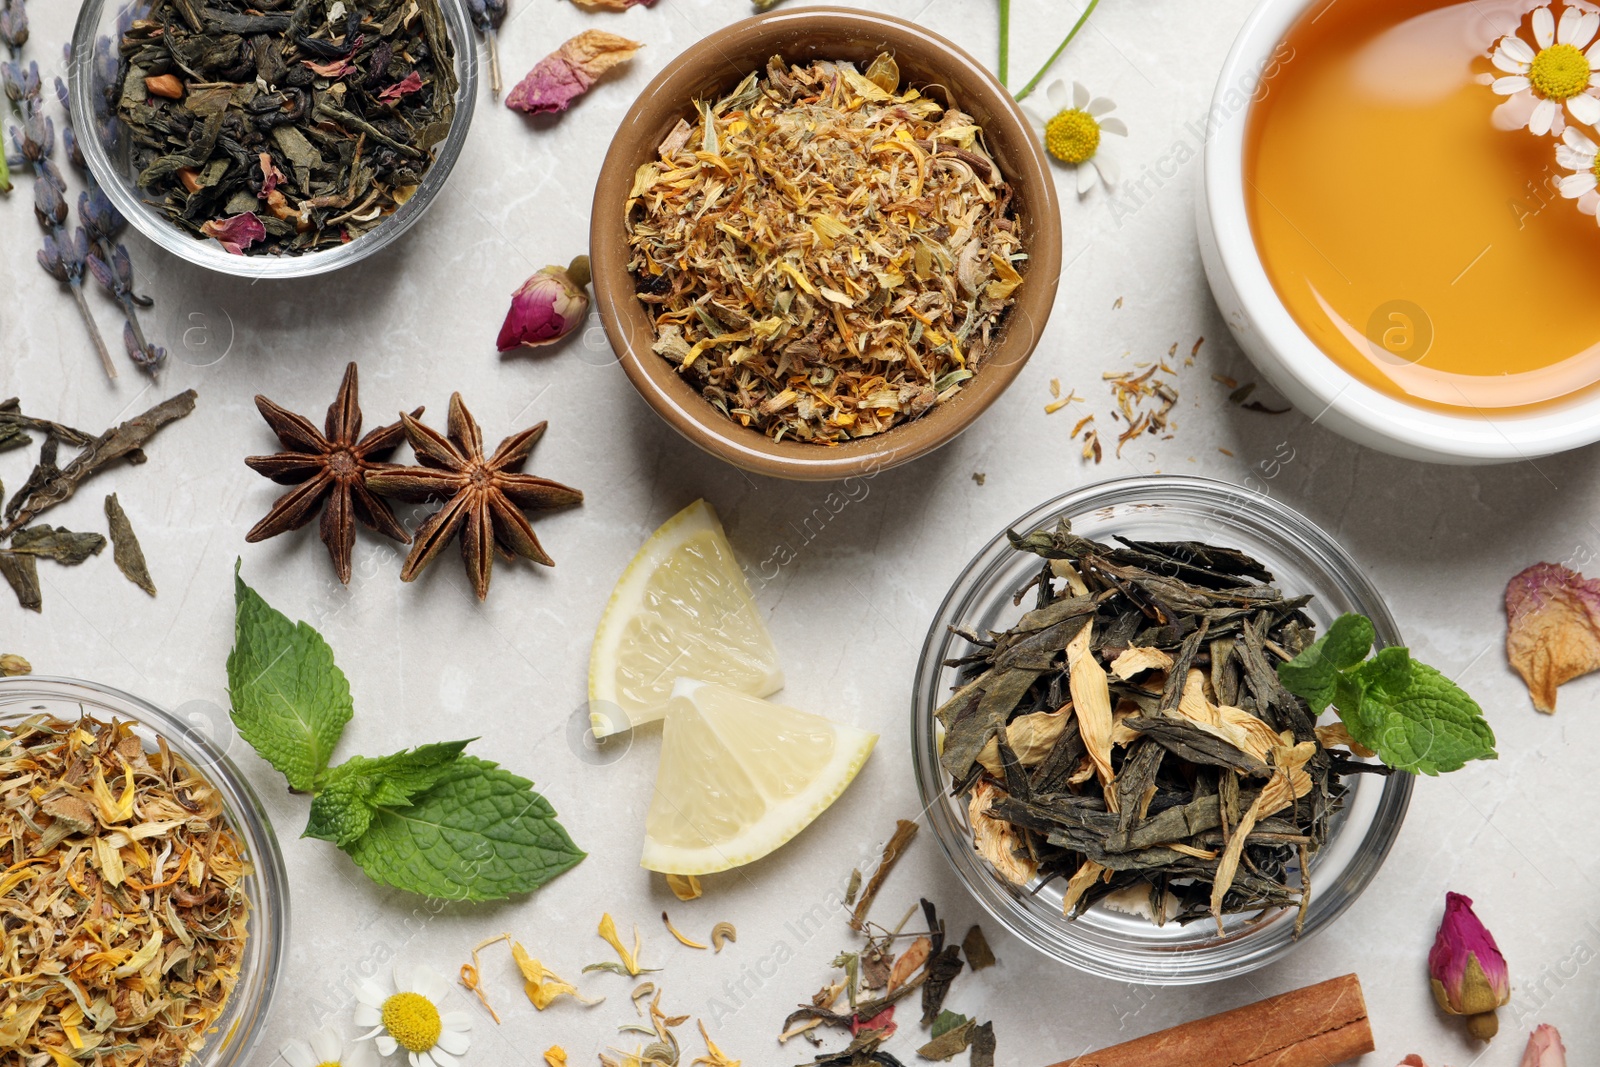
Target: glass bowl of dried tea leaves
{"points": [[166, 888], [1100, 831], [272, 141], [824, 242]]}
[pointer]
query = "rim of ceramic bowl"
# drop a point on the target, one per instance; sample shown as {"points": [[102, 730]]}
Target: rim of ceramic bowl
{"points": [[718, 61], [268, 950], [118, 184], [1105, 953], [1410, 429]]}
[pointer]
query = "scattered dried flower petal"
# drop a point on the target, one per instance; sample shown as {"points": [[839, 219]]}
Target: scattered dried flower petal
{"points": [[567, 73], [714, 1056], [1552, 629], [1544, 1048], [555, 1056], [684, 886], [675, 932], [411, 83], [543, 986]]}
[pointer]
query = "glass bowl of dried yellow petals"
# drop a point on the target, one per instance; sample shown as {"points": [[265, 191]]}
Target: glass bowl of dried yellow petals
{"points": [[824, 241], [1125, 826], [147, 911]]}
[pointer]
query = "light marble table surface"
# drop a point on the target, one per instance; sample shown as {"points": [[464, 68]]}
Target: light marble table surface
{"points": [[849, 613]]}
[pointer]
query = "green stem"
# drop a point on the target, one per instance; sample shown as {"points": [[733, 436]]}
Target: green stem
{"points": [[1028, 89], [1005, 41]]}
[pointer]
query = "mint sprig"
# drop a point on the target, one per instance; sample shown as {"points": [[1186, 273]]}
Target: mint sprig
{"points": [[1412, 716], [429, 820]]}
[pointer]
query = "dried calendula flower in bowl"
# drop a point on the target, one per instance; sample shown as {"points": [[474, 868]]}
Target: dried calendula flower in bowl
{"points": [[826, 253], [126, 915]]}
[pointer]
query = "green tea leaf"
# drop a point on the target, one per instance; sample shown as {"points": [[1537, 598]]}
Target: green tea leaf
{"points": [[290, 700], [479, 833], [348, 794], [58, 543], [948, 1020], [1427, 725], [1313, 674]]}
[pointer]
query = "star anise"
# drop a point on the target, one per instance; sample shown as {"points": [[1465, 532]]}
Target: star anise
{"points": [[329, 466], [484, 498]]}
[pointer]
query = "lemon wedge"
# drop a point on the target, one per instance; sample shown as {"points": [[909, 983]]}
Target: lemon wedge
{"points": [[741, 776], [682, 609]]}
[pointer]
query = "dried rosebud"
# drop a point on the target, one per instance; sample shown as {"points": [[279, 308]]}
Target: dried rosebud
{"points": [[1469, 974], [12, 665], [1552, 628], [1544, 1048], [550, 305], [236, 233]]}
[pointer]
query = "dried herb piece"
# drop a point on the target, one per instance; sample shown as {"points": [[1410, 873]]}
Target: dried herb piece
{"points": [[284, 129], [484, 497], [825, 257], [22, 574], [975, 947], [125, 548], [983, 1046], [127, 874], [941, 971], [122, 441], [951, 1039], [329, 469], [905, 832], [57, 543]]}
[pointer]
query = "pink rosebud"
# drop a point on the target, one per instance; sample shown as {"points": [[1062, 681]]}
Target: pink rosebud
{"points": [[1545, 1049], [550, 305], [1469, 974], [236, 233]]}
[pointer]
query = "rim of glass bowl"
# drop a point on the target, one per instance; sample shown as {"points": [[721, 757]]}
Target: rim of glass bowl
{"points": [[1108, 953], [242, 1023], [96, 15]]}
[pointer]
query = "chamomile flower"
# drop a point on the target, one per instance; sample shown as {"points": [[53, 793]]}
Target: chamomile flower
{"points": [[1580, 155], [410, 1019], [1074, 130], [325, 1049], [1558, 72]]}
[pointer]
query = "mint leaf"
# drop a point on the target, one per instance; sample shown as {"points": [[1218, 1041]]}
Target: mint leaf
{"points": [[1313, 674], [1427, 725], [290, 701], [1412, 716], [479, 833], [348, 794]]}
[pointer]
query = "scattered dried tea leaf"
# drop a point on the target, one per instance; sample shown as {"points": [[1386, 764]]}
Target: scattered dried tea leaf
{"points": [[57, 543], [567, 73], [983, 1046], [1552, 629], [975, 947], [684, 886], [904, 833], [125, 548], [951, 1039], [941, 971], [722, 934], [12, 665], [853, 888], [675, 932], [22, 574]]}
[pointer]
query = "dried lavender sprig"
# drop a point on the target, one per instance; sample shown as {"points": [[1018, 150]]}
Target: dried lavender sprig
{"points": [[487, 15], [63, 254], [13, 25], [108, 260]]}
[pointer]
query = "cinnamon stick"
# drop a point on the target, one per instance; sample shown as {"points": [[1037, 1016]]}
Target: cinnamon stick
{"points": [[1316, 1026]]}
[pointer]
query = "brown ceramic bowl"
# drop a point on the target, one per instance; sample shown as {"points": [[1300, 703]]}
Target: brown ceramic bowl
{"points": [[717, 64]]}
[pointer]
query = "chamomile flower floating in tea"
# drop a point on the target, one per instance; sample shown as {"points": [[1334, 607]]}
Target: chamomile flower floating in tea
{"points": [[1578, 154], [1074, 132], [410, 1018], [1541, 80], [325, 1049]]}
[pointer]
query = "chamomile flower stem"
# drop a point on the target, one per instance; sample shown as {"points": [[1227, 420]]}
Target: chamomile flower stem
{"points": [[1027, 90], [1005, 42]]}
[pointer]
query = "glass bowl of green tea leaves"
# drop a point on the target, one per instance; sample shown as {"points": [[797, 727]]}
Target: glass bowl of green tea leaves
{"points": [[1113, 762], [272, 140], [141, 863]]}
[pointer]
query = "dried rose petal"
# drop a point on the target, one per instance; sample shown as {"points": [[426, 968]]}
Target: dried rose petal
{"points": [[550, 305], [337, 68], [1412, 1060], [613, 5], [409, 84], [237, 233], [1544, 1048], [1552, 628], [271, 176], [567, 73]]}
